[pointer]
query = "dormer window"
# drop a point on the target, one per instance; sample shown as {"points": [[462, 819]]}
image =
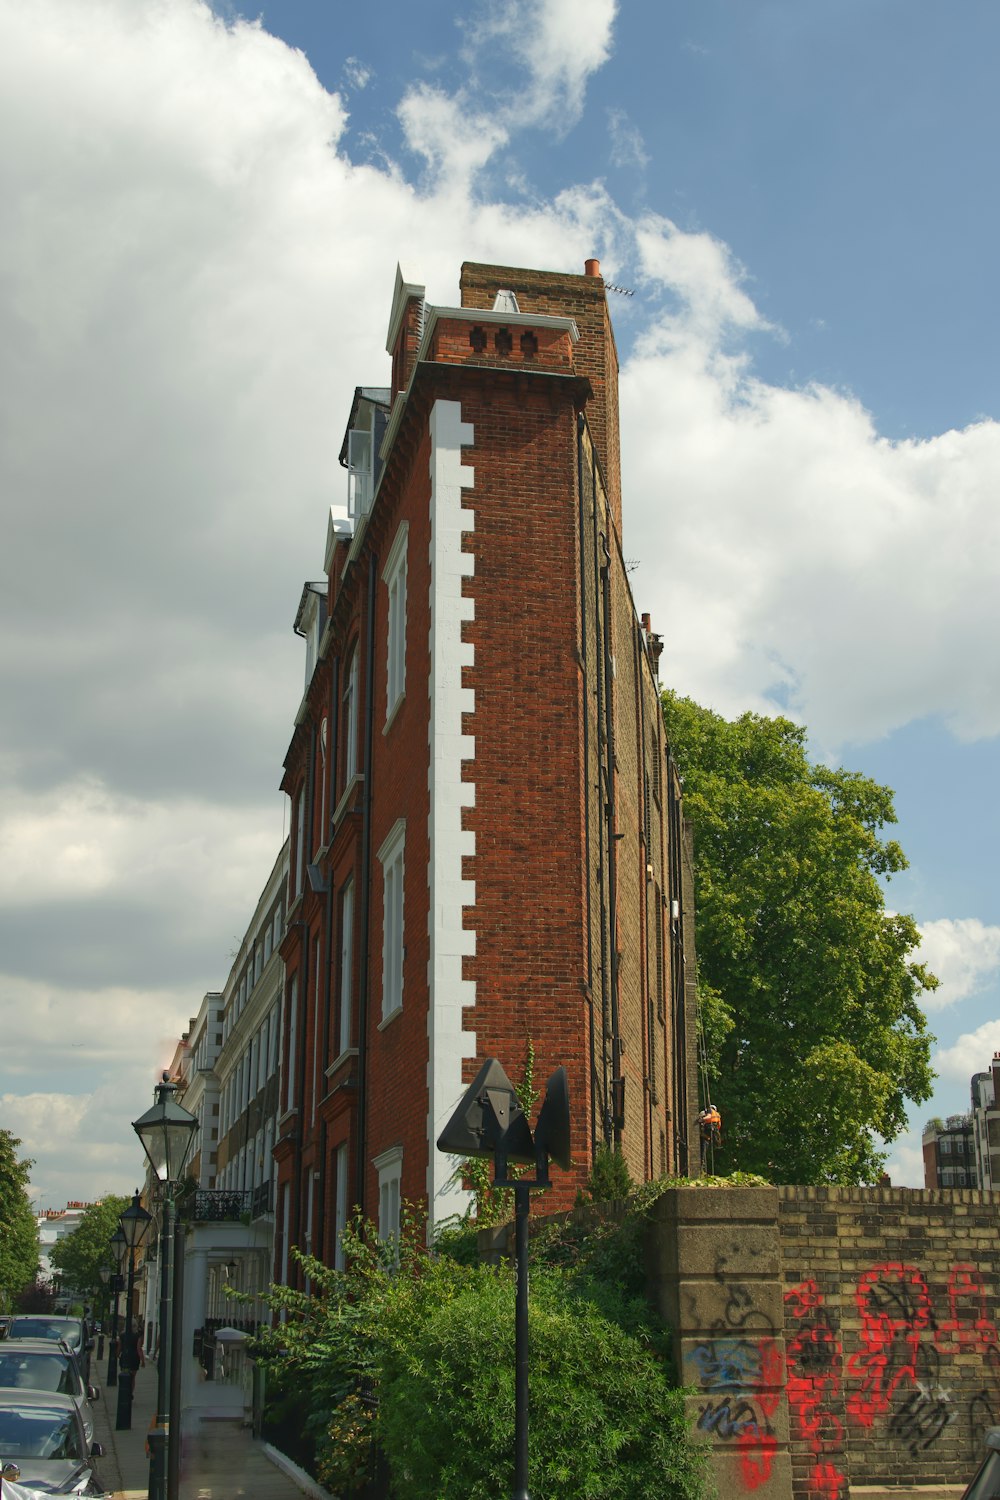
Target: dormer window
{"points": [[360, 452], [309, 623], [360, 472]]}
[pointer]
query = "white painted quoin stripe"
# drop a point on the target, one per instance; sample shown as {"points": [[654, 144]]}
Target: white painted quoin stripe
{"points": [[449, 1043]]}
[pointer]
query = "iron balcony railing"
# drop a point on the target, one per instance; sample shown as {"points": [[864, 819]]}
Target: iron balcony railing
{"points": [[262, 1200], [212, 1205]]}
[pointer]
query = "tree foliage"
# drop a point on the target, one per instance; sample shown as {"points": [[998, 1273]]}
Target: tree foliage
{"points": [[78, 1256], [418, 1356], [18, 1230], [815, 1035]]}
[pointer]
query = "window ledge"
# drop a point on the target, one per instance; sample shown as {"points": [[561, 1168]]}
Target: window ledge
{"points": [[349, 791], [338, 1062], [390, 717], [388, 1020]]}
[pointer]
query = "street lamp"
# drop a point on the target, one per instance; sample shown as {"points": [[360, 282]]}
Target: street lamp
{"points": [[105, 1273], [167, 1132], [133, 1224], [489, 1121], [118, 1249]]}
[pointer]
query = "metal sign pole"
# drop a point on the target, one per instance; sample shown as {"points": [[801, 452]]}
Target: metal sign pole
{"points": [[521, 1208]]}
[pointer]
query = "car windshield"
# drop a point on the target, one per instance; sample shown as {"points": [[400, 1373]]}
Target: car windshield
{"points": [[37, 1372], [47, 1328], [38, 1432]]}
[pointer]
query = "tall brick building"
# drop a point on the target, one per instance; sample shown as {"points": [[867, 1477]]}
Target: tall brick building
{"points": [[487, 841]]}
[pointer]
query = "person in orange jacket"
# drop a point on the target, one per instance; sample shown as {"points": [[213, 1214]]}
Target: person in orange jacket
{"points": [[711, 1126]]}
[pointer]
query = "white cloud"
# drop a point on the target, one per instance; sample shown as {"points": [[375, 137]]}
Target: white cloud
{"points": [[82, 1146], [964, 953], [784, 543], [559, 44], [357, 74], [79, 1066], [455, 142], [905, 1161], [972, 1053], [627, 146]]}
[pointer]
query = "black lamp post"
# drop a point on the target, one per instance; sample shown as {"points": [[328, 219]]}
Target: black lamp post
{"points": [[104, 1272], [118, 1250], [489, 1121], [133, 1223], [167, 1133]]}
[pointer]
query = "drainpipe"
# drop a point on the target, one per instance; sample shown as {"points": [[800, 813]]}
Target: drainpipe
{"points": [[332, 741], [606, 1108], [617, 1081], [366, 877], [581, 523], [645, 880]]}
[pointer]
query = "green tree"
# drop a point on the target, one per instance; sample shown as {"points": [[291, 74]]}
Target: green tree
{"points": [[78, 1257], [816, 1039], [18, 1230]]}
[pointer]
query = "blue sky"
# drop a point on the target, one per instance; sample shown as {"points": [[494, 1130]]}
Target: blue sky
{"points": [[203, 219]]}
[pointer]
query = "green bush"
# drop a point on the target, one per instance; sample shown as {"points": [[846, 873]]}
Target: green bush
{"points": [[605, 1421], [415, 1352]]}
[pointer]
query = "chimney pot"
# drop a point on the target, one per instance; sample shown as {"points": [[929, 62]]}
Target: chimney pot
{"points": [[592, 268]]}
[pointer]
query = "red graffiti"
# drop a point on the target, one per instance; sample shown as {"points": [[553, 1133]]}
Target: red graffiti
{"points": [[771, 1375], [757, 1452], [827, 1483], [968, 1327], [895, 1308], [813, 1379]]}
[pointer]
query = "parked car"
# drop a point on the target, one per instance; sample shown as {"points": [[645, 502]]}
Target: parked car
{"points": [[986, 1484], [46, 1326], [42, 1445], [44, 1365]]}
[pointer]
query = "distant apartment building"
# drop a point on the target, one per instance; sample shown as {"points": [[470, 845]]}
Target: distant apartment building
{"points": [[54, 1224], [949, 1153], [986, 1125], [488, 853], [226, 1068]]}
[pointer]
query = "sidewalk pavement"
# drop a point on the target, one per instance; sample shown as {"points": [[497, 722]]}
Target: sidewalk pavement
{"points": [[220, 1461]]}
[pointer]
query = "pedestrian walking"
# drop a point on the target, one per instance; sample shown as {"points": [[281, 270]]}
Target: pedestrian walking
{"points": [[130, 1353]]}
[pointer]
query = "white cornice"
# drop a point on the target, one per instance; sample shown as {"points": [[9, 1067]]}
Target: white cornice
{"points": [[434, 315], [400, 297]]}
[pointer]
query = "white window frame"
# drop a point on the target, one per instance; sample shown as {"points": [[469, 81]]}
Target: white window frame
{"points": [[389, 1166], [346, 987], [299, 862], [392, 859], [394, 577], [314, 1101], [349, 708], [340, 1207], [293, 1016]]}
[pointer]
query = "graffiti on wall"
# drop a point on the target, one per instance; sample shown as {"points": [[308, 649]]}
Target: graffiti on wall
{"points": [[813, 1374], [738, 1369], [895, 1378]]}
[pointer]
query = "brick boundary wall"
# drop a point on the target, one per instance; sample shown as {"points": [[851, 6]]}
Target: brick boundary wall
{"points": [[839, 1341]]}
